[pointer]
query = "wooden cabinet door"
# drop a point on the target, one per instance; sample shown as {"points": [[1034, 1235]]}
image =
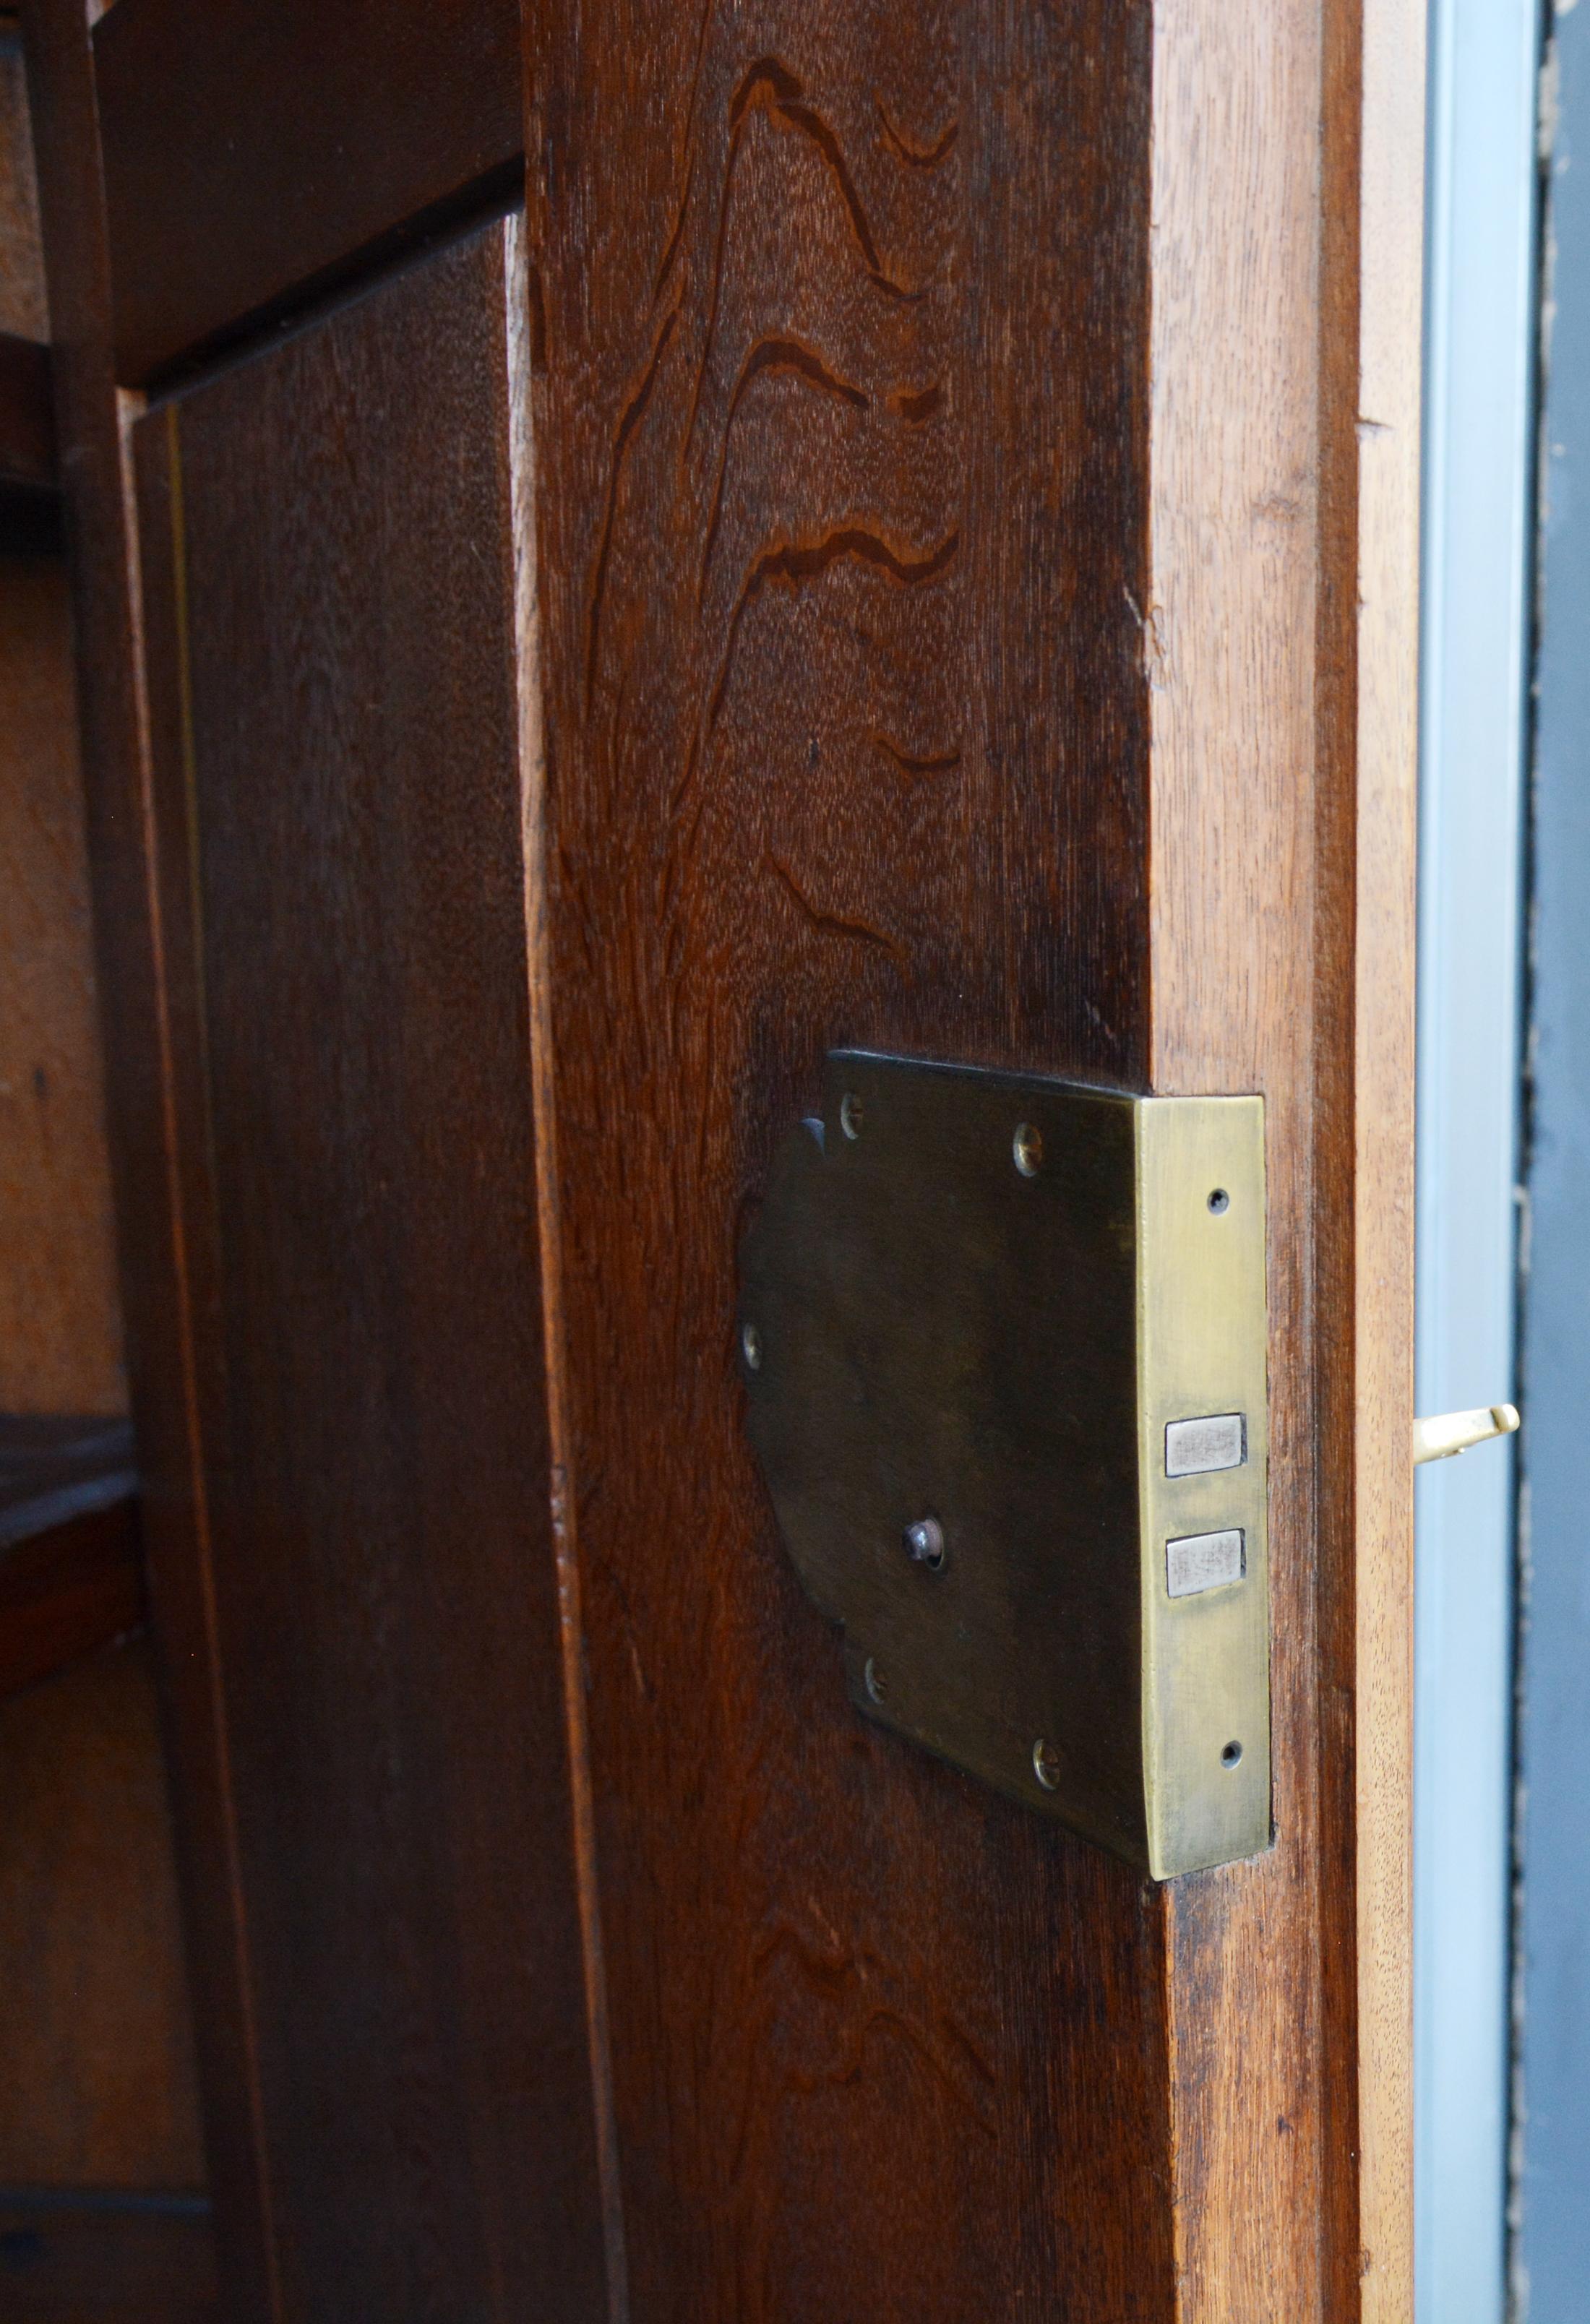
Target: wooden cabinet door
{"points": [[326, 533], [906, 539]]}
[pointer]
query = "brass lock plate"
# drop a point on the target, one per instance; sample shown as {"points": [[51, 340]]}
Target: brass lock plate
{"points": [[1004, 1345]]}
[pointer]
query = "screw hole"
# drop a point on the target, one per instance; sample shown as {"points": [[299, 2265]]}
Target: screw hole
{"points": [[1045, 1765], [1219, 1201], [751, 1347], [1231, 1753], [877, 1686], [851, 1115], [1027, 1149]]}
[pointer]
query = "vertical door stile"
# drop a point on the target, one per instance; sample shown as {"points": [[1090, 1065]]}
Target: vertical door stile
{"points": [[1389, 210], [533, 779]]}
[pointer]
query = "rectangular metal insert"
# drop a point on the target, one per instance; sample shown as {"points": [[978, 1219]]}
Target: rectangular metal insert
{"points": [[1003, 1347], [1203, 1561], [1195, 1447]]}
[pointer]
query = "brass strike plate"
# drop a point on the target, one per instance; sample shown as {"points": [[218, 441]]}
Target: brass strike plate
{"points": [[1004, 1343]]}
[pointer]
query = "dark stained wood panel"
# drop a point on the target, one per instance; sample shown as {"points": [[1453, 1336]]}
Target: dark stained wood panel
{"points": [[328, 558], [841, 427], [252, 154]]}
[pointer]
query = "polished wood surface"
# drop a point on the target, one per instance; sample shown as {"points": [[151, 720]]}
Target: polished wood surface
{"points": [[254, 155], [60, 1339], [97, 2081], [844, 578], [332, 656], [799, 641]]}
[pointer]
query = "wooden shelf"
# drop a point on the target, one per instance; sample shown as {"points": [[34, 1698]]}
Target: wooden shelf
{"points": [[80, 2256], [70, 1574], [27, 414], [30, 512]]}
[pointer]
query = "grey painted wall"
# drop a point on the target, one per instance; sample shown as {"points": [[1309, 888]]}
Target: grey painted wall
{"points": [[1553, 2243]]}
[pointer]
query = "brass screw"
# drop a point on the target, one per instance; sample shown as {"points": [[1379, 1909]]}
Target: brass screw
{"points": [[1045, 1765], [751, 1347], [924, 1543], [877, 1686], [850, 1114], [1027, 1149]]}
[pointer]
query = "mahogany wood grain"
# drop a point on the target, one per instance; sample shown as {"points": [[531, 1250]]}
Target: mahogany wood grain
{"points": [[327, 533], [97, 2076], [842, 524], [921, 676], [254, 155]]}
